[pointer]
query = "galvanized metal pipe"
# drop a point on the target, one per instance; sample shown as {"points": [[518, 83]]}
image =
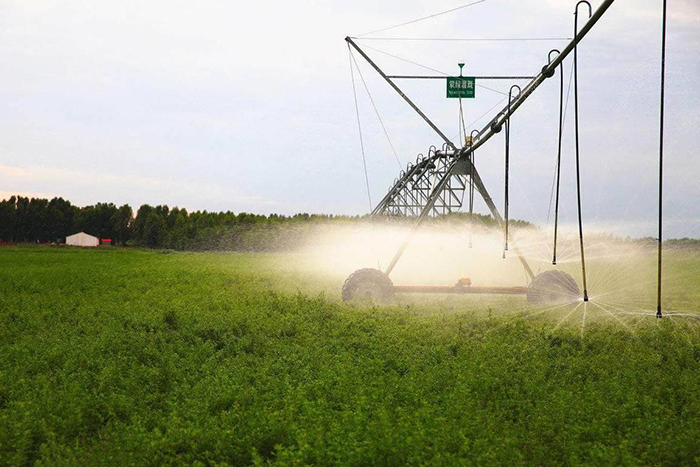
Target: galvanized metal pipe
{"points": [[486, 133], [548, 70]]}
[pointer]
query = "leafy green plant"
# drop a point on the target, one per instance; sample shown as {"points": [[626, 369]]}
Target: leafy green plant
{"points": [[130, 357]]}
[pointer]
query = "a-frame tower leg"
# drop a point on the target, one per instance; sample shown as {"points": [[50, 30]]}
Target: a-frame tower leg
{"points": [[434, 195]]}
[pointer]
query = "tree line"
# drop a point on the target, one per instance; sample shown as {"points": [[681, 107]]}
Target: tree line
{"points": [[42, 220]]}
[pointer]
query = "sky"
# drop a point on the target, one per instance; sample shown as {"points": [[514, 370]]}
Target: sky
{"points": [[248, 106]]}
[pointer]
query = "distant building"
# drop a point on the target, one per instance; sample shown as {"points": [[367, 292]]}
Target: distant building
{"points": [[82, 239], [106, 241]]}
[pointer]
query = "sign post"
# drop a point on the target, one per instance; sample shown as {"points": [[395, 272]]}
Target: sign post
{"points": [[462, 86]]}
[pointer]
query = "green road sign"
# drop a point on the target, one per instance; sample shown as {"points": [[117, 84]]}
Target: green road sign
{"points": [[461, 86]]}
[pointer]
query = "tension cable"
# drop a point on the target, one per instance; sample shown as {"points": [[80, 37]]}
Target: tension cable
{"points": [[376, 111], [428, 68], [423, 18], [359, 129]]}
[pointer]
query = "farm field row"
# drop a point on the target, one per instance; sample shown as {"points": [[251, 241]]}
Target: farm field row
{"points": [[136, 357]]}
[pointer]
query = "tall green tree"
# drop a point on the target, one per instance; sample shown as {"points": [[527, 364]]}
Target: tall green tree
{"points": [[8, 220], [60, 217], [137, 227], [154, 230], [121, 224]]}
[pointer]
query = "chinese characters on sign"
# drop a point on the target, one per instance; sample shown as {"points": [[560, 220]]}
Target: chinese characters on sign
{"points": [[460, 87]]}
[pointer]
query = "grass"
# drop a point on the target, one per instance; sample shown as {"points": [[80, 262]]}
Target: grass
{"points": [[129, 357]]}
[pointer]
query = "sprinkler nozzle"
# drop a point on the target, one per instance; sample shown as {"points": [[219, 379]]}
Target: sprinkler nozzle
{"points": [[585, 295], [658, 313]]}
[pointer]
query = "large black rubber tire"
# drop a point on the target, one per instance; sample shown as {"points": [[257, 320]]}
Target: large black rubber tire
{"points": [[553, 287], [369, 285]]}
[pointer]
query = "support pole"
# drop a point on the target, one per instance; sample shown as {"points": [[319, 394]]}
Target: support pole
{"points": [[578, 167], [661, 161], [507, 199]]}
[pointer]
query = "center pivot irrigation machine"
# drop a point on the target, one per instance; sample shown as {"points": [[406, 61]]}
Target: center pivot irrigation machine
{"points": [[435, 184]]}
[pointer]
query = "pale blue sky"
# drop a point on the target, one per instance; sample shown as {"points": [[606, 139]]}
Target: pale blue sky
{"points": [[247, 106]]}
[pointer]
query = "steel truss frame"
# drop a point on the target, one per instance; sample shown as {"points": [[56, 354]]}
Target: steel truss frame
{"points": [[411, 191], [415, 193]]}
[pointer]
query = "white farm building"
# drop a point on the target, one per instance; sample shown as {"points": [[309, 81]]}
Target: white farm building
{"points": [[82, 239]]}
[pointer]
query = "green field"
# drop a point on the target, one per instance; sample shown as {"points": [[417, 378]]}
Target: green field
{"points": [[134, 357]]}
